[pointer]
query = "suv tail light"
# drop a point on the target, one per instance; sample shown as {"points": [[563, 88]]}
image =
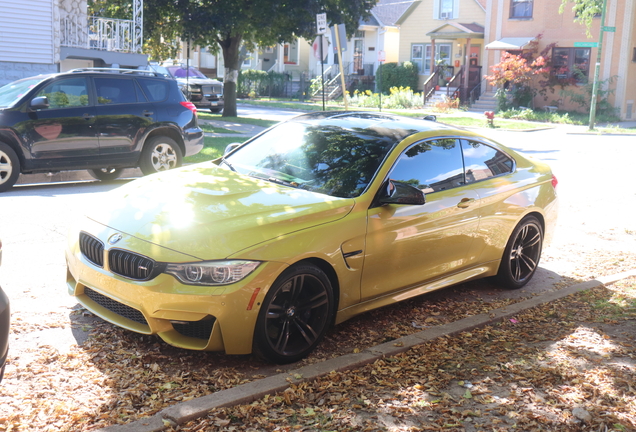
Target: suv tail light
{"points": [[190, 106], [555, 182]]}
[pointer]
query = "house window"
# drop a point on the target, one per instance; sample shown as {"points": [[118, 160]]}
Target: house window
{"points": [[290, 53], [446, 9], [521, 8], [417, 56], [571, 63], [442, 54]]}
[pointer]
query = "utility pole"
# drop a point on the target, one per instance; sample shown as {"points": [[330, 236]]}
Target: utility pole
{"points": [[597, 69]]}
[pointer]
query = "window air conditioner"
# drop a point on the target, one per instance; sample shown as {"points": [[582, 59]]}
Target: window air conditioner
{"points": [[445, 15]]}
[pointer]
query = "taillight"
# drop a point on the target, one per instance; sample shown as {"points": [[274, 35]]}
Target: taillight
{"points": [[555, 182], [190, 106]]}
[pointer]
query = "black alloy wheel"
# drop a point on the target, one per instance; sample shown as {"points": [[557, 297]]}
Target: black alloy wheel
{"points": [[522, 254], [295, 315]]}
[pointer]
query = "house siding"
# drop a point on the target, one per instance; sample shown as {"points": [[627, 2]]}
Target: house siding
{"points": [[617, 52], [421, 21], [26, 31]]}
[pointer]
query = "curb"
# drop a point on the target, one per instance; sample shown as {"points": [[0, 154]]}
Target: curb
{"points": [[246, 393]]}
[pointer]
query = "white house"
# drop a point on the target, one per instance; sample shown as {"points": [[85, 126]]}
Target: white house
{"points": [[48, 36]]}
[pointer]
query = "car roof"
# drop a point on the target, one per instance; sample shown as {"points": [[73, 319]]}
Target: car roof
{"points": [[390, 124]]}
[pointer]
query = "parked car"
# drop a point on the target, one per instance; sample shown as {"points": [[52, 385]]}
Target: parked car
{"points": [[5, 315], [102, 120], [202, 91], [310, 223]]}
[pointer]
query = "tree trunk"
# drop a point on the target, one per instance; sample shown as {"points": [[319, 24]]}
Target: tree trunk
{"points": [[231, 48]]}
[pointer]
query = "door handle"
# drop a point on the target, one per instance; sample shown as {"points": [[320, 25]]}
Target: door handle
{"points": [[88, 116], [147, 113], [466, 202]]}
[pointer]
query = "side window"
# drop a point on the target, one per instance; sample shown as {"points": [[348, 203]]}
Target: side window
{"points": [[115, 91], [431, 166], [482, 161], [155, 90], [66, 93]]}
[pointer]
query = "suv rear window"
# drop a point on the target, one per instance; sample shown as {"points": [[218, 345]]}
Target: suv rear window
{"points": [[115, 91], [155, 90]]}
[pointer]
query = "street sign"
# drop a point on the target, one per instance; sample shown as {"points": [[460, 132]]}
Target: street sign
{"points": [[381, 56], [342, 33], [585, 44], [321, 23], [317, 50], [608, 29]]}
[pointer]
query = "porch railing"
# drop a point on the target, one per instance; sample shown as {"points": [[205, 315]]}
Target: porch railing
{"points": [[106, 34]]}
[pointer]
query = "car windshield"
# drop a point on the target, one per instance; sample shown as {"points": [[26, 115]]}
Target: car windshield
{"points": [[182, 72], [329, 158], [12, 92]]}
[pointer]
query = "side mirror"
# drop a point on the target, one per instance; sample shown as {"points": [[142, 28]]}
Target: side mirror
{"points": [[41, 102], [394, 192], [231, 147]]}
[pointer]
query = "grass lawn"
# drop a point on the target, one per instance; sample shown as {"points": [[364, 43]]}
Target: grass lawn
{"points": [[242, 120], [483, 123], [212, 129], [212, 149]]}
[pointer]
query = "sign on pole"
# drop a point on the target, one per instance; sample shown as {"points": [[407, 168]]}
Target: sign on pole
{"points": [[381, 56], [342, 35], [318, 52], [585, 44], [608, 29], [321, 23]]}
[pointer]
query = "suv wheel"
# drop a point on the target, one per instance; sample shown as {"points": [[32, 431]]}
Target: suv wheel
{"points": [[160, 154], [105, 174], [9, 167]]}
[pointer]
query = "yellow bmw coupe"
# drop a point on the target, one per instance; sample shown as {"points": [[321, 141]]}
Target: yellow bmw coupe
{"points": [[313, 221]]}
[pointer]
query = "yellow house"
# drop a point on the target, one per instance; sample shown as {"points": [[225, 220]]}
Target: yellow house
{"points": [[512, 24], [444, 32]]}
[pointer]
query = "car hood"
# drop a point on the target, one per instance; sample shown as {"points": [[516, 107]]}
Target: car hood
{"points": [[199, 81], [209, 212]]}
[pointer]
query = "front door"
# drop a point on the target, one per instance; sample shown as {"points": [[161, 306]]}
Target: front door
{"points": [[411, 244], [64, 134]]}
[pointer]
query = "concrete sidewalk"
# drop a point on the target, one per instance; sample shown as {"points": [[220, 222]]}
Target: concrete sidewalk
{"points": [[246, 393]]}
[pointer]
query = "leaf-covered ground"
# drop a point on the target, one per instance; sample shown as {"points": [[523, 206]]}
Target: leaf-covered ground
{"points": [[542, 370], [566, 366]]}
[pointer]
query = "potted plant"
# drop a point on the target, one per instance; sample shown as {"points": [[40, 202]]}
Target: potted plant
{"points": [[442, 67]]}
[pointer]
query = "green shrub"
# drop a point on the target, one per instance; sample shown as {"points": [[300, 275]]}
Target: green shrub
{"points": [[393, 75]]}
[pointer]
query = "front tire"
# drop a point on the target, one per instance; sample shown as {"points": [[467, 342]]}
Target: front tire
{"points": [[160, 154], [9, 167], [522, 254], [295, 315], [105, 174]]}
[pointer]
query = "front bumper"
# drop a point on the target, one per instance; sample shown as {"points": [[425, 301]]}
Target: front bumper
{"points": [[218, 318]]}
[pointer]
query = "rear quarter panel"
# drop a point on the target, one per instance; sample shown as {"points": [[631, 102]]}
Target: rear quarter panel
{"points": [[505, 200]]}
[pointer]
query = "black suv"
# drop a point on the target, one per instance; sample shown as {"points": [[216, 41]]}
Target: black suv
{"points": [[102, 120]]}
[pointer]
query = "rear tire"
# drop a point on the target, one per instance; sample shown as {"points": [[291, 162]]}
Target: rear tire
{"points": [[9, 167], [105, 174], [160, 153], [521, 256]]}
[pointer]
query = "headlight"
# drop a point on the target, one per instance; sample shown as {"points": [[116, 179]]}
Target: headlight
{"points": [[212, 272]]}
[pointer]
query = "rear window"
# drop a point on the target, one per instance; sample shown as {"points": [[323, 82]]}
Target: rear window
{"points": [[482, 162], [112, 91], [155, 90]]}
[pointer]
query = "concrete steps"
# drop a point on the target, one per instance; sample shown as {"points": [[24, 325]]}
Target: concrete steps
{"points": [[486, 102]]}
